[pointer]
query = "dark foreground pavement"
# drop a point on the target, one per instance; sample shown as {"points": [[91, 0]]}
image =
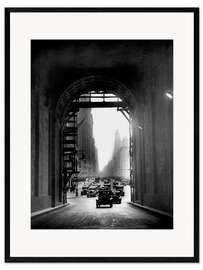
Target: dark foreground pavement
{"points": [[82, 213]]}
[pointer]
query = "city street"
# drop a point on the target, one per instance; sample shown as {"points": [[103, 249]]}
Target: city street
{"points": [[81, 213]]}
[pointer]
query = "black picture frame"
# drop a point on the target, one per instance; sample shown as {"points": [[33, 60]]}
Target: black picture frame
{"points": [[8, 257]]}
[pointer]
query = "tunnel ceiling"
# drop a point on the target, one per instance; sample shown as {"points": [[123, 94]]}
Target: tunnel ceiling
{"points": [[58, 63]]}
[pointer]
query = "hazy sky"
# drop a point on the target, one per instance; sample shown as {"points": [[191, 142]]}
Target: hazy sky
{"points": [[106, 122]]}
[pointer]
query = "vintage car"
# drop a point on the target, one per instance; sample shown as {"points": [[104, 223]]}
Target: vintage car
{"points": [[107, 185], [106, 181], [97, 179], [116, 198], [120, 190], [115, 184], [84, 190], [92, 192], [104, 198]]}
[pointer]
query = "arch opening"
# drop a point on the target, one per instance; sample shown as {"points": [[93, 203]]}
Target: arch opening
{"points": [[74, 161]]}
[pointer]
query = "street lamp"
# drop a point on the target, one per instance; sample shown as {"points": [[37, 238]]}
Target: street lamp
{"points": [[169, 95]]}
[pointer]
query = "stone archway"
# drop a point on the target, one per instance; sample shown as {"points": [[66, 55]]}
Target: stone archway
{"points": [[73, 91], [92, 82]]}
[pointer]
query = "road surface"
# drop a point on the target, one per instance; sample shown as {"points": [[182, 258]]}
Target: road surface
{"points": [[81, 213]]}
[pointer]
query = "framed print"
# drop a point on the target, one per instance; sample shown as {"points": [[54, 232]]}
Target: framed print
{"points": [[102, 134]]}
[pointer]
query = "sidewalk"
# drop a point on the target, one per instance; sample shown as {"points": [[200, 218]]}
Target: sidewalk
{"points": [[47, 210]]}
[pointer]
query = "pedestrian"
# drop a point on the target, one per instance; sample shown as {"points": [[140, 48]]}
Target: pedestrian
{"points": [[65, 194], [73, 188]]}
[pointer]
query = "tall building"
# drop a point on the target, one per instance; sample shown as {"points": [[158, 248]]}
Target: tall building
{"points": [[88, 160], [119, 165]]}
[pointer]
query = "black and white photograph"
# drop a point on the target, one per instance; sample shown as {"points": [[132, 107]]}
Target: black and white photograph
{"points": [[102, 134]]}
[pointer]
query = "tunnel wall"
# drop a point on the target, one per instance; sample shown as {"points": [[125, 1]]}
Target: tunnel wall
{"points": [[153, 135], [57, 178], [46, 189]]}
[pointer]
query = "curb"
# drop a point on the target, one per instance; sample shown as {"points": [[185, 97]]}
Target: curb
{"points": [[47, 210], [150, 209]]}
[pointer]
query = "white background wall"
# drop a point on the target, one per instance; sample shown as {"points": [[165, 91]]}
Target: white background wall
{"points": [[79, 3]]}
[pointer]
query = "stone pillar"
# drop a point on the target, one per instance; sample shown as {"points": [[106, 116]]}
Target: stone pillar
{"points": [[52, 155]]}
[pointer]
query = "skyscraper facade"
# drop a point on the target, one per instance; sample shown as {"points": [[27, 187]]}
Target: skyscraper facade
{"points": [[119, 165], [88, 160]]}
